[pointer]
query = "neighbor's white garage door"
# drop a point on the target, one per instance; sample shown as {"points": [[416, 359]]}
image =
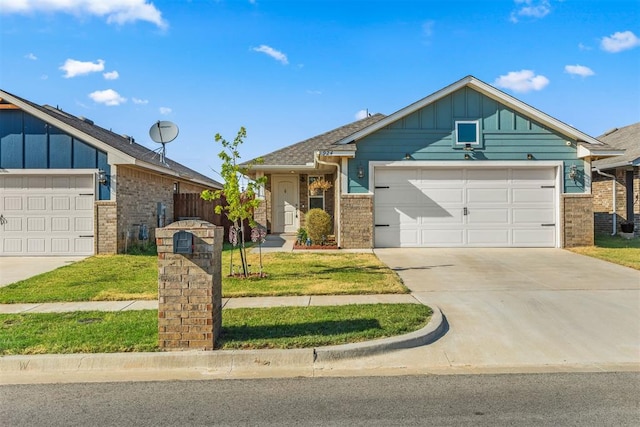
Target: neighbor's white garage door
{"points": [[46, 215], [510, 207]]}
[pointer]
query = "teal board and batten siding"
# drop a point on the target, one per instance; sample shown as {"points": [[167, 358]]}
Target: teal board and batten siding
{"points": [[427, 135], [27, 142]]}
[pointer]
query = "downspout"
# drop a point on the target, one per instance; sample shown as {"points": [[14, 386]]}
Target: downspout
{"points": [[613, 186], [337, 193]]}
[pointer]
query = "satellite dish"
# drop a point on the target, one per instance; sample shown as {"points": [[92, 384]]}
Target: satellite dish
{"points": [[163, 132]]}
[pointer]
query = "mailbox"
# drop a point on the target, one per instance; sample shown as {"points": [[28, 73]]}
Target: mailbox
{"points": [[183, 242]]}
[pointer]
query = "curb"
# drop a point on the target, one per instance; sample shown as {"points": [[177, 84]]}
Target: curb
{"points": [[219, 360]]}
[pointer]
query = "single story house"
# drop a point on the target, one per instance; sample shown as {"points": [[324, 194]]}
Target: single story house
{"points": [[616, 182], [467, 166], [70, 187]]}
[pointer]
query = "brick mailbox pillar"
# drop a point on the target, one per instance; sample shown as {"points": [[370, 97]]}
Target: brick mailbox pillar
{"points": [[189, 285]]}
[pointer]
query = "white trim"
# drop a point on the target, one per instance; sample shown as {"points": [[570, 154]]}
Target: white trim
{"points": [[455, 131], [344, 178], [557, 165], [274, 195], [487, 90], [583, 152], [49, 171]]}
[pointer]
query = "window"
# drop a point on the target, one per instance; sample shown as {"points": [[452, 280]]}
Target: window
{"points": [[467, 132], [316, 199]]}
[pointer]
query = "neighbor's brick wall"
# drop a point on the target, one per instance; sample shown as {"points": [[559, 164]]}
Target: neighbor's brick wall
{"points": [[577, 220], [262, 214], [106, 223], [356, 213], [137, 195], [190, 287], [603, 200]]}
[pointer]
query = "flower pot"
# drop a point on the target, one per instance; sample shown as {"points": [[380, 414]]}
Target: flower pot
{"points": [[627, 227]]}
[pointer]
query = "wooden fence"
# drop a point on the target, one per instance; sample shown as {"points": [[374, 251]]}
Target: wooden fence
{"points": [[192, 206]]}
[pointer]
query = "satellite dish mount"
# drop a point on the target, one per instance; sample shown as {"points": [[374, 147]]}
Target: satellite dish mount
{"points": [[163, 132]]}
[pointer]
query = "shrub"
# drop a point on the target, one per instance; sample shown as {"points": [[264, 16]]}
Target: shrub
{"points": [[302, 236], [318, 225]]}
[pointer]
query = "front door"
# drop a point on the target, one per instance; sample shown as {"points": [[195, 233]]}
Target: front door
{"points": [[285, 205]]}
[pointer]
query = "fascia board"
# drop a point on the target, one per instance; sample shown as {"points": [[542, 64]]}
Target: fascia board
{"points": [[487, 90], [114, 156], [583, 152]]}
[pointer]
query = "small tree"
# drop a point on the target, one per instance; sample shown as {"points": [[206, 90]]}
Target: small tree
{"points": [[240, 203], [318, 225]]}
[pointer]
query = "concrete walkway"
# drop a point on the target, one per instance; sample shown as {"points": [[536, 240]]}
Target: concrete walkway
{"points": [[227, 303]]}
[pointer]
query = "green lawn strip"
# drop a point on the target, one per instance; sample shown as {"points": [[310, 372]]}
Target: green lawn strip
{"points": [[614, 249], [127, 277], [277, 327]]}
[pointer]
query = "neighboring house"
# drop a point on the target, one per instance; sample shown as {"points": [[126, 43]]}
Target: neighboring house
{"points": [[69, 187], [466, 166], [622, 170]]}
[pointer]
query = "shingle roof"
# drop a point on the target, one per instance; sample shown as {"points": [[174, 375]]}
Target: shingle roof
{"points": [[626, 138], [119, 142], [301, 153]]}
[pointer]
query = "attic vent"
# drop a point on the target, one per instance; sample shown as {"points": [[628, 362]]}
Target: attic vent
{"points": [[84, 119], [128, 138], [610, 131]]}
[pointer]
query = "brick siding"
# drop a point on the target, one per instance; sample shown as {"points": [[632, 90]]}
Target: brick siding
{"points": [[577, 220], [356, 215], [603, 201], [106, 227]]}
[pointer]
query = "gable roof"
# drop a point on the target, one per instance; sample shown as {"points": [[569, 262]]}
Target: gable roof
{"points": [[486, 90], [121, 149], [626, 138], [301, 153]]}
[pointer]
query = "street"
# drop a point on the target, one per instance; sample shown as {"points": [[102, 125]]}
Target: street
{"points": [[513, 399]]}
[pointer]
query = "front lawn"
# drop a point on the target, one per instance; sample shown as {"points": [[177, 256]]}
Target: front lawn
{"points": [[277, 327], [128, 277], [613, 249]]}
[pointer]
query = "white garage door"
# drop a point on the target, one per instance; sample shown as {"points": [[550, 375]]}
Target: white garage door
{"points": [[507, 207], [46, 215]]}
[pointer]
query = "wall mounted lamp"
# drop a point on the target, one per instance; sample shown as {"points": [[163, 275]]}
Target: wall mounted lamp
{"points": [[529, 156], [102, 177], [467, 156], [360, 171], [407, 156], [468, 147], [573, 172]]}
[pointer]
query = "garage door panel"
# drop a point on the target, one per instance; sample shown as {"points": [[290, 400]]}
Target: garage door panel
{"points": [[487, 195], [47, 215], [504, 207], [442, 237], [533, 195], [533, 215], [533, 237], [495, 237]]}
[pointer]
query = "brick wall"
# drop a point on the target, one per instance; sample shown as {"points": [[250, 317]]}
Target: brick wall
{"points": [[329, 197], [106, 227], [190, 287], [137, 195], [603, 200], [356, 213], [577, 220]]}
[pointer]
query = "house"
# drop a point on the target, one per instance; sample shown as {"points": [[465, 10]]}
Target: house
{"points": [[70, 187], [467, 166], [619, 173]]}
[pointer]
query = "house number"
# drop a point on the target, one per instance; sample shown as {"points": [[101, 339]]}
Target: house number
{"points": [[326, 153]]}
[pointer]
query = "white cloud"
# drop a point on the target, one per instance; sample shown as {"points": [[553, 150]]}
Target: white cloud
{"points": [[583, 47], [427, 28], [314, 92], [275, 54], [74, 68], [522, 81], [31, 56], [620, 41], [579, 70], [362, 114], [165, 110], [107, 97], [530, 9], [111, 75], [140, 101], [115, 11]]}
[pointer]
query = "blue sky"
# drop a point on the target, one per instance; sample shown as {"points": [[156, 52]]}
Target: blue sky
{"points": [[289, 70]]}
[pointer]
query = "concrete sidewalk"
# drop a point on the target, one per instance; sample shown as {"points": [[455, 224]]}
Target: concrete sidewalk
{"points": [[253, 302]]}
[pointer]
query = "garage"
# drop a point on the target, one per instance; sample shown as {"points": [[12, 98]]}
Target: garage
{"points": [[466, 206], [46, 214]]}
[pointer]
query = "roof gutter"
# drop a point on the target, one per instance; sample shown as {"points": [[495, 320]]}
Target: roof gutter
{"points": [[316, 159], [613, 186]]}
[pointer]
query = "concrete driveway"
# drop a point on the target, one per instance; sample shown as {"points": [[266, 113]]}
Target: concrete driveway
{"points": [[13, 269], [519, 310]]}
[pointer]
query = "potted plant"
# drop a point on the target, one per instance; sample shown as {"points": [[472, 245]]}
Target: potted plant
{"points": [[627, 227], [318, 185]]}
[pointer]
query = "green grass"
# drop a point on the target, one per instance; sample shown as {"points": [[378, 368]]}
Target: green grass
{"points": [[278, 327], [126, 277], [614, 249]]}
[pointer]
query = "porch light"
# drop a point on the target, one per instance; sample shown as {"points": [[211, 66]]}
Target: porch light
{"points": [[467, 156], [360, 171], [407, 156], [529, 156], [573, 172], [468, 147], [102, 177]]}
